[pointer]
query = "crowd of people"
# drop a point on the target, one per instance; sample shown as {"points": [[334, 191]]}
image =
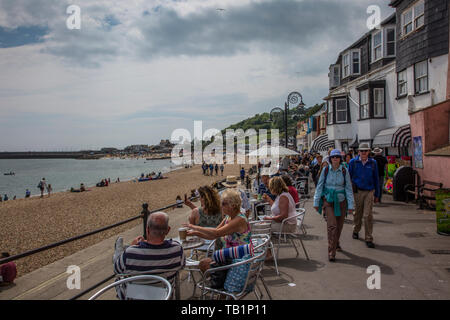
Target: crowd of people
{"points": [[209, 169], [344, 184]]}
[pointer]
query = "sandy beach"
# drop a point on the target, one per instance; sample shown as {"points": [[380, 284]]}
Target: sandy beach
{"points": [[31, 223]]}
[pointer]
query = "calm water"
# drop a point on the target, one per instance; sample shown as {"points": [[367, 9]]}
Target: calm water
{"points": [[63, 174]]}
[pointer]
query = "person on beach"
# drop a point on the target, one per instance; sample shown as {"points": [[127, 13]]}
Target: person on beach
{"points": [[233, 231], [216, 168], [211, 168], [221, 169], [82, 188], [27, 193], [49, 189], [42, 185], [179, 202], [8, 271], [334, 195], [154, 254], [5, 198], [242, 173], [209, 214]]}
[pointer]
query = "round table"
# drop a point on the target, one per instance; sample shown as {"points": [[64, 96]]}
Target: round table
{"points": [[191, 242]]}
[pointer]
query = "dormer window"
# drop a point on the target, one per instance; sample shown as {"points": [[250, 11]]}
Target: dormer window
{"points": [[335, 75], [351, 63], [383, 43]]}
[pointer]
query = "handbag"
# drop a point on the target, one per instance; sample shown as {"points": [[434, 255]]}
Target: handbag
{"points": [[237, 276]]}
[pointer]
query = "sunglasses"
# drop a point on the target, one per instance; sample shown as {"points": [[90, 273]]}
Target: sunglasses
{"points": [[335, 157], [363, 150]]}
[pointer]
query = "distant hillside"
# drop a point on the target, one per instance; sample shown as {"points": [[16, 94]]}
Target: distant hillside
{"points": [[260, 121]]}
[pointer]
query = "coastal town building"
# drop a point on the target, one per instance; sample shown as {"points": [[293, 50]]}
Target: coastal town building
{"points": [[391, 90], [423, 86], [317, 131], [361, 104]]}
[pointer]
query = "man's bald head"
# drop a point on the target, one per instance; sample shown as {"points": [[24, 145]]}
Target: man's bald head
{"points": [[158, 224]]}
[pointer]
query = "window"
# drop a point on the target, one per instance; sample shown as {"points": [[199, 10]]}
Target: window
{"points": [[407, 25], [330, 112], [419, 14], [355, 62], [378, 102], [346, 65], [421, 77], [390, 42], [334, 76], [341, 110], [402, 84], [351, 63], [377, 51], [413, 18], [364, 104]]}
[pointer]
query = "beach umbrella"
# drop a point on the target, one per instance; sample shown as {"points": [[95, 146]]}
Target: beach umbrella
{"points": [[267, 151]]}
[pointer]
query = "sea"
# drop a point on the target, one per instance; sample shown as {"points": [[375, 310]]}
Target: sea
{"points": [[63, 174]]}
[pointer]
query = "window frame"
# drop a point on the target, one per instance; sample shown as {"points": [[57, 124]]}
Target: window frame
{"points": [[350, 65], [386, 30], [405, 82], [346, 110], [383, 102], [335, 74], [414, 18], [380, 32], [330, 119], [361, 106], [423, 76]]}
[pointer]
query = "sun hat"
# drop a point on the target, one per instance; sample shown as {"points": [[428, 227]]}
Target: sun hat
{"points": [[335, 152], [377, 150], [364, 146], [268, 171], [231, 182]]}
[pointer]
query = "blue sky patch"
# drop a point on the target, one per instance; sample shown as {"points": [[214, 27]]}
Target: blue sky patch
{"points": [[21, 36]]}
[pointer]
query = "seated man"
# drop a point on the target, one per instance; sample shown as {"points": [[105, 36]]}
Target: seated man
{"points": [[8, 271], [154, 255]]}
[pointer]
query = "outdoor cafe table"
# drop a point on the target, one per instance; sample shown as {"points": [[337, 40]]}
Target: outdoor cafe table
{"points": [[189, 243]]}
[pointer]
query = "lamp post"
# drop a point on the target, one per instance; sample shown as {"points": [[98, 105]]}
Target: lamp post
{"points": [[294, 98]]}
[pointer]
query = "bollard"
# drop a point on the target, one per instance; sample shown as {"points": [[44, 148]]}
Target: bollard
{"points": [[145, 213]]}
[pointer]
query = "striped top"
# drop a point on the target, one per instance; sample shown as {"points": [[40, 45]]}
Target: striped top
{"points": [[165, 258]]}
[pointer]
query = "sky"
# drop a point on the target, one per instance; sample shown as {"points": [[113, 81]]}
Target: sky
{"points": [[136, 70]]}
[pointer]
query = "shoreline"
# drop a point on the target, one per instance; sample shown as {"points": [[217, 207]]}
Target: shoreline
{"points": [[30, 223]]}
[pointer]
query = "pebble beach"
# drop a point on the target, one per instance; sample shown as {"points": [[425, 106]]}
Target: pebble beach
{"points": [[34, 222]]}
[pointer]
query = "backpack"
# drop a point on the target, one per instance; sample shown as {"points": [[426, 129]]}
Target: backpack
{"points": [[40, 185], [344, 171]]}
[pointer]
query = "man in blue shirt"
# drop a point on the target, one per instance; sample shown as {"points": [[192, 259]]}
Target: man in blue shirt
{"points": [[242, 172], [364, 173]]}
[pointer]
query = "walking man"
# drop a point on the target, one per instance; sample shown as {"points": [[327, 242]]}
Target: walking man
{"points": [[221, 169], [364, 174]]}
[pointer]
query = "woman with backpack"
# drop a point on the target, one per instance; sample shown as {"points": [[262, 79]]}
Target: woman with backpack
{"points": [[334, 195]]}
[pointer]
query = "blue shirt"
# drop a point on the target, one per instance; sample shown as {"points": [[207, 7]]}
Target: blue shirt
{"points": [[335, 180], [365, 177], [263, 189], [242, 173]]}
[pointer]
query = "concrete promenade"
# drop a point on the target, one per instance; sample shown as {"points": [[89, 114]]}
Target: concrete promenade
{"points": [[414, 262]]}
